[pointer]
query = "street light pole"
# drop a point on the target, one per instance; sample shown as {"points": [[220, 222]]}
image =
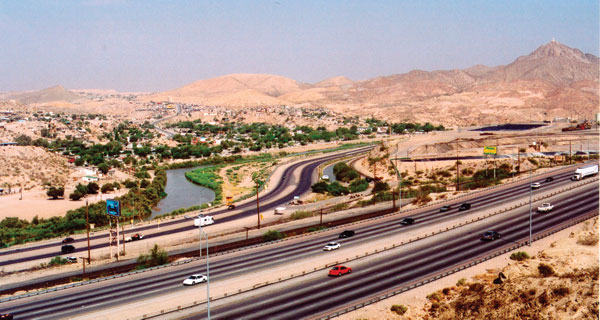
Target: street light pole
{"points": [[530, 197], [200, 234]]}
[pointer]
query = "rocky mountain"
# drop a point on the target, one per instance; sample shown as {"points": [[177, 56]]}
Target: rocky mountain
{"points": [[553, 62], [552, 81], [52, 94]]}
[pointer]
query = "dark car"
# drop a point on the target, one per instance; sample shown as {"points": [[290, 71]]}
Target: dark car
{"points": [[68, 240], [549, 179], [346, 234], [464, 206], [490, 235], [407, 221], [231, 207], [67, 248], [445, 208]]}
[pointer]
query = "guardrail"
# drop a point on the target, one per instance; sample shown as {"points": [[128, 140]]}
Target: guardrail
{"points": [[366, 254]]}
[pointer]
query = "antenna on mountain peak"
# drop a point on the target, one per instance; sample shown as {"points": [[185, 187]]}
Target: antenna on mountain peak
{"points": [[553, 39]]}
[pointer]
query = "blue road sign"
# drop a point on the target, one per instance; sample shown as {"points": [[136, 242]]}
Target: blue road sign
{"points": [[113, 207]]}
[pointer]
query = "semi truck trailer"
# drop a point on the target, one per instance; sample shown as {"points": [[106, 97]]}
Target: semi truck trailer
{"points": [[589, 170]]}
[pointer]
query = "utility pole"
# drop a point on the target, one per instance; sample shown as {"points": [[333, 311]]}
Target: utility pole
{"points": [[87, 222], [257, 207], [569, 151], [321, 217], [495, 155], [123, 232], [457, 172], [518, 160]]}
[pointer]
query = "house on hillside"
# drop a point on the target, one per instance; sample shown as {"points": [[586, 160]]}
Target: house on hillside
{"points": [[90, 179]]}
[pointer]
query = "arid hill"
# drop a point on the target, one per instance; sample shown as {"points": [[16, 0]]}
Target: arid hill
{"points": [[553, 81], [52, 94]]}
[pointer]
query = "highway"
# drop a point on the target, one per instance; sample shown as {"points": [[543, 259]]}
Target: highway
{"points": [[71, 302], [275, 197], [321, 294]]}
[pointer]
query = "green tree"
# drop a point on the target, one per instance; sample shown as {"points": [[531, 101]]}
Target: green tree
{"points": [[92, 188], [107, 187], [319, 187], [336, 189], [103, 167], [380, 186], [76, 195], [82, 189], [55, 192]]}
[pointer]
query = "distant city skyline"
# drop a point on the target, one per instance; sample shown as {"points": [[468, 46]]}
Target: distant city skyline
{"points": [[156, 46]]}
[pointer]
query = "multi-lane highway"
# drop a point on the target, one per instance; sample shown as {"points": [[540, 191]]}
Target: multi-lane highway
{"points": [[75, 301], [297, 175], [320, 294]]}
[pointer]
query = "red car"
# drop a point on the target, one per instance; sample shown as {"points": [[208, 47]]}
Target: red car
{"points": [[338, 271]]}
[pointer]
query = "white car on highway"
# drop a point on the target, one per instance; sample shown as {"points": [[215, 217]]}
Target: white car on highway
{"points": [[536, 185], [332, 246], [194, 279], [545, 207]]}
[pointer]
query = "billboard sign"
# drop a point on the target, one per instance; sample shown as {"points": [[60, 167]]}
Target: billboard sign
{"points": [[489, 150], [113, 207]]}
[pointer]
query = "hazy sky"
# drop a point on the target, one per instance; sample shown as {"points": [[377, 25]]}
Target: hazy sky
{"points": [[160, 45]]}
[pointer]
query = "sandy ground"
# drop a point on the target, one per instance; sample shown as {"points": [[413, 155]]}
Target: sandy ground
{"points": [[37, 203]]}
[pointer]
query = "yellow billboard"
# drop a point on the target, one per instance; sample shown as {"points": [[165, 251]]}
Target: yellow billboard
{"points": [[489, 150]]}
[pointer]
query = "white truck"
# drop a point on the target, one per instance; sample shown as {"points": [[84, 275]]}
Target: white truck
{"points": [[202, 221], [280, 210], [589, 170], [545, 207]]}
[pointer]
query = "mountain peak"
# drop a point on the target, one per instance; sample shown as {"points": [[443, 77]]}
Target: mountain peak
{"points": [[555, 49]]}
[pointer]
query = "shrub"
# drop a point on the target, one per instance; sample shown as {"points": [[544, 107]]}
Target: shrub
{"points": [[433, 296], [107, 187], [92, 188], [444, 173], [519, 256], [380, 186], [317, 228], [144, 183], [76, 195], [588, 240], [336, 189], [300, 215], [561, 291], [319, 187], [130, 184], [57, 261], [55, 192], [446, 291], [272, 235], [359, 185], [156, 257], [399, 309], [545, 270]]}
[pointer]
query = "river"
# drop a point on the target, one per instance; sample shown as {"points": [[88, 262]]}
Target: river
{"points": [[181, 193]]}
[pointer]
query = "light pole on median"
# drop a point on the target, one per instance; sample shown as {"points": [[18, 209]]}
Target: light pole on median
{"points": [[201, 233]]}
